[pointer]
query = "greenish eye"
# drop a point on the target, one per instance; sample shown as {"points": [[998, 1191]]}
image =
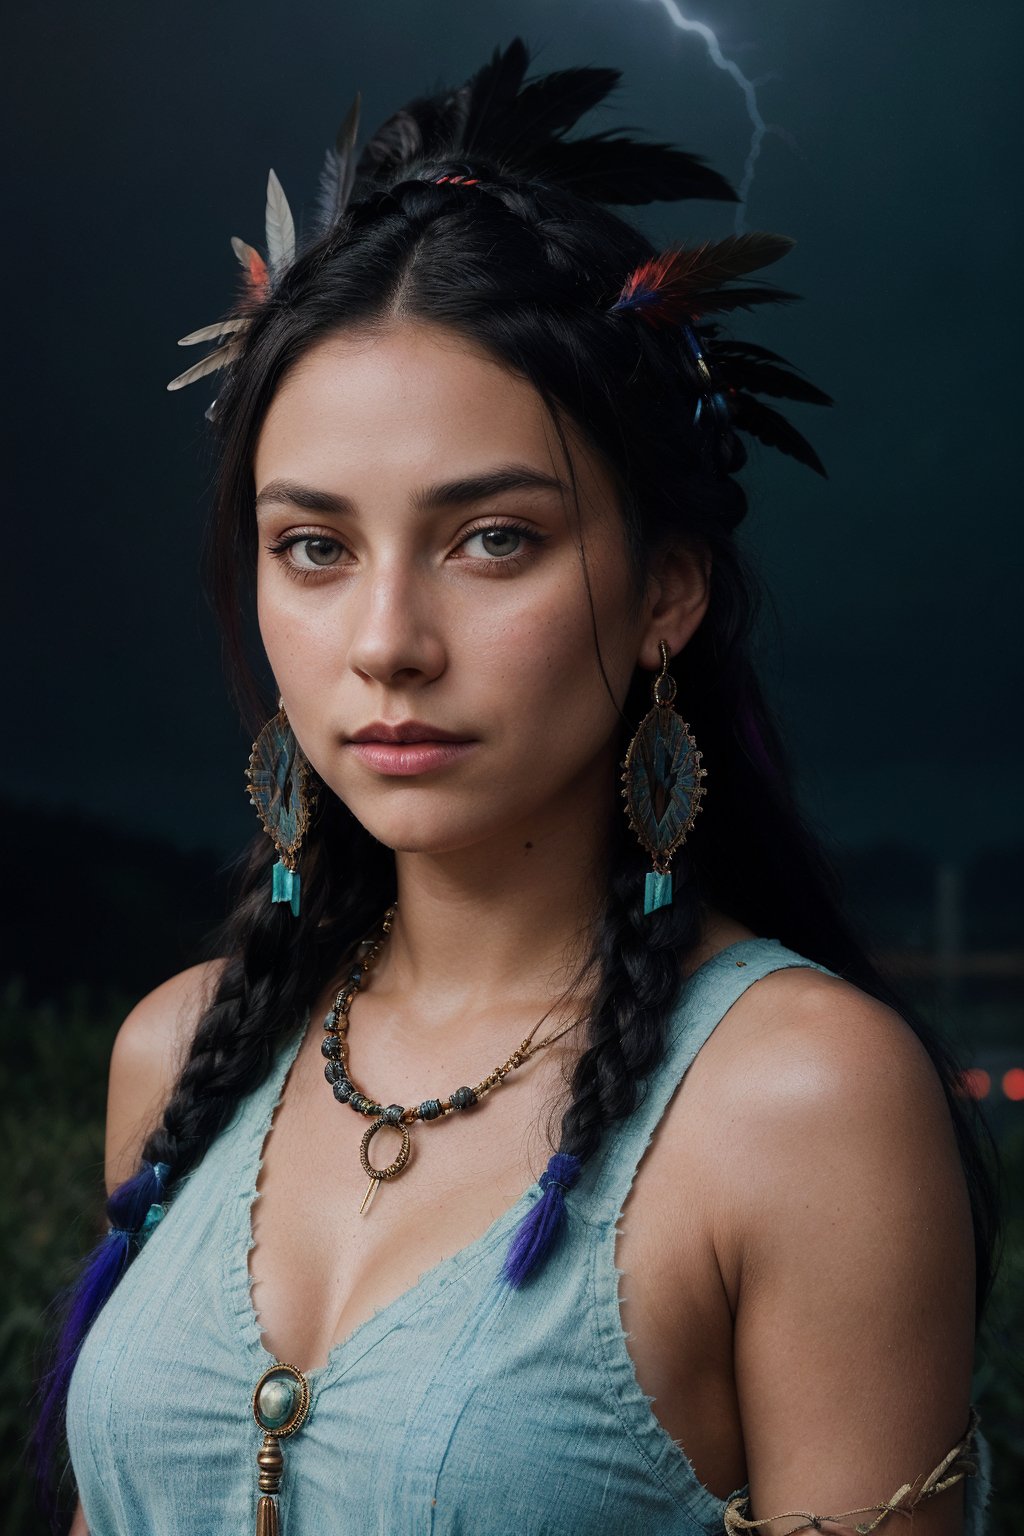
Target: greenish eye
{"points": [[319, 551], [500, 541]]}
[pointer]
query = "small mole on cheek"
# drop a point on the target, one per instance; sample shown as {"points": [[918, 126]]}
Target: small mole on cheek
{"points": [[527, 845]]}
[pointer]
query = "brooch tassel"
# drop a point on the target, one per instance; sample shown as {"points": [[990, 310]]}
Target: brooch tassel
{"points": [[270, 1461], [266, 1517], [280, 1404]]}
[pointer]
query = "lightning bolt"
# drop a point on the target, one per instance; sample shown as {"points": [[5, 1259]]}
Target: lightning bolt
{"points": [[758, 126]]}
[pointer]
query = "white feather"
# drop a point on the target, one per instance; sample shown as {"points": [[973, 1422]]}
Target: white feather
{"points": [[211, 332], [280, 227], [243, 251], [218, 359]]}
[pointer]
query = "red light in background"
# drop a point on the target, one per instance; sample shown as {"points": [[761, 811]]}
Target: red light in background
{"points": [[1013, 1083], [977, 1082]]}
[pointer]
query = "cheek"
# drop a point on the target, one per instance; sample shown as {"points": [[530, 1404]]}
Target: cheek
{"points": [[300, 637], [554, 700]]}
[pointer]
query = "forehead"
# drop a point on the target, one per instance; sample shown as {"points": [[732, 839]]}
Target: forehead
{"points": [[414, 402]]}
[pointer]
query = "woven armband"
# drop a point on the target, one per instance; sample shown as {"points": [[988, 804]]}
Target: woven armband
{"points": [[958, 1463]]}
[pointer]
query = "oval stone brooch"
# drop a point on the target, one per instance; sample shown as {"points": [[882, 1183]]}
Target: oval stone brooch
{"points": [[280, 1403]]}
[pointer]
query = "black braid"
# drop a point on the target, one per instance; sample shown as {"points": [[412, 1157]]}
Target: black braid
{"points": [[255, 1006], [276, 965], [640, 961]]}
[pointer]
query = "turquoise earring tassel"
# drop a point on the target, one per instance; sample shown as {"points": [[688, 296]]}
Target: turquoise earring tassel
{"points": [[657, 891], [285, 886], [664, 785]]}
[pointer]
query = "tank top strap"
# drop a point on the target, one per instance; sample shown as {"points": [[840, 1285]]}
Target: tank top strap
{"points": [[704, 999]]}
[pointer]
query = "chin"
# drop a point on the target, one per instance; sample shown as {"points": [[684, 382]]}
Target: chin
{"points": [[419, 833]]}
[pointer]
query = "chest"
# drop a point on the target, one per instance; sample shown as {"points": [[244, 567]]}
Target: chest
{"points": [[320, 1269]]}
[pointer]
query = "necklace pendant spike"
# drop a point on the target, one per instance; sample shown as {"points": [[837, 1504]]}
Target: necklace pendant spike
{"points": [[368, 1197]]}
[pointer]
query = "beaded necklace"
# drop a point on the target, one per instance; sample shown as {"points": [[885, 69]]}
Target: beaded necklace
{"points": [[400, 1118], [280, 1401]]}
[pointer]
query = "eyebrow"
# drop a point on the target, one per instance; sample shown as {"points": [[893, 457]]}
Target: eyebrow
{"points": [[449, 493]]}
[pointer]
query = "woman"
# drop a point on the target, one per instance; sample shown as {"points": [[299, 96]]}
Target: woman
{"points": [[478, 441]]}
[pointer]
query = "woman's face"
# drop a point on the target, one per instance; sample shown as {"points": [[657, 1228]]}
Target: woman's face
{"points": [[417, 562]]}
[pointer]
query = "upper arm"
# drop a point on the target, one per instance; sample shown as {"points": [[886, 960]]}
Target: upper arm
{"points": [[149, 1051], [854, 1327]]}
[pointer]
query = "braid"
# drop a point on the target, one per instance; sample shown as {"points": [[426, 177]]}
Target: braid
{"points": [[255, 1005], [276, 964], [641, 970], [640, 963]]}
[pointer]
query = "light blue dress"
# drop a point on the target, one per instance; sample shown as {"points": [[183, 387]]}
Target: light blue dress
{"points": [[461, 1408]]}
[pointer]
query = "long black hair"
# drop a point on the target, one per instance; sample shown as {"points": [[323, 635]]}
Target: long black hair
{"points": [[471, 210]]}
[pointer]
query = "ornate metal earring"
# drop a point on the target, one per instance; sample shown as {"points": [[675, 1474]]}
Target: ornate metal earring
{"points": [[663, 783], [279, 788]]}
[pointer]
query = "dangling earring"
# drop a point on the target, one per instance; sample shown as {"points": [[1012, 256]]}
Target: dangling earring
{"points": [[279, 788], [663, 784]]}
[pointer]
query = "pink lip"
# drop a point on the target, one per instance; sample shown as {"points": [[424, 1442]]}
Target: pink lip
{"points": [[404, 759], [404, 731]]}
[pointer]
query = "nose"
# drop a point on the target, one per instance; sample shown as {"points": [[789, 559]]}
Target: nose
{"points": [[396, 634]]}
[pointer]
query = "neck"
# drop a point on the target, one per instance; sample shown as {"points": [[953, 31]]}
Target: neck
{"points": [[502, 925]]}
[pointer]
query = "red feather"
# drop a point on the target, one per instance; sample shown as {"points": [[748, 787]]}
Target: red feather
{"points": [[676, 286], [257, 278]]}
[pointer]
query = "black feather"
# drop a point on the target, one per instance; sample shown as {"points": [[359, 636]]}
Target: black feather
{"points": [[624, 171], [495, 117], [555, 102], [492, 93], [727, 346], [339, 170], [397, 142], [721, 299], [772, 429], [759, 378]]}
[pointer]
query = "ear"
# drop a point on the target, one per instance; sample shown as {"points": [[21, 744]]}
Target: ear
{"points": [[678, 590]]}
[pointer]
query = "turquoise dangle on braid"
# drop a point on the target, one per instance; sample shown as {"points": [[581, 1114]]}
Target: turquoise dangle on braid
{"points": [[663, 784], [278, 787]]}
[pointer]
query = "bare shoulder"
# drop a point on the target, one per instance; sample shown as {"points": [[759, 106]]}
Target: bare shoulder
{"points": [[814, 1128], [814, 1041], [149, 1051], [842, 1228], [816, 1096]]}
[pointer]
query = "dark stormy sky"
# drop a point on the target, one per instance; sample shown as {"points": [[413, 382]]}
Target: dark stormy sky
{"points": [[140, 140]]}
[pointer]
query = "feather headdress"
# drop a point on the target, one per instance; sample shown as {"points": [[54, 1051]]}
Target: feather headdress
{"points": [[494, 115], [678, 287], [520, 127], [336, 181]]}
